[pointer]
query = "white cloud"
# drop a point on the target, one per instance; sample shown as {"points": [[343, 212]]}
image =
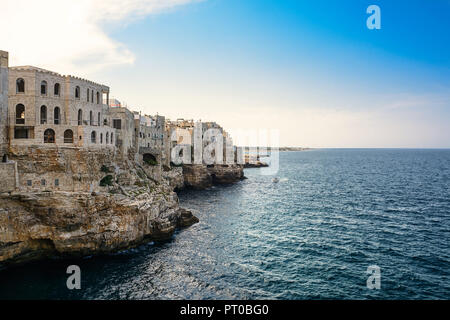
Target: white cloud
{"points": [[68, 36]]}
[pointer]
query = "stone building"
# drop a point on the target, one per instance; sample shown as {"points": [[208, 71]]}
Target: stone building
{"points": [[61, 132], [51, 110], [8, 169], [150, 142], [46, 120], [3, 102], [122, 121]]}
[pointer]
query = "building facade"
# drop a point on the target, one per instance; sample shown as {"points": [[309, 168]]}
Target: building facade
{"points": [[46, 116], [3, 103], [48, 109]]}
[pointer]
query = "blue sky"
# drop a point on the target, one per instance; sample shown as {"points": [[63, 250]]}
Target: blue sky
{"points": [[311, 69]]}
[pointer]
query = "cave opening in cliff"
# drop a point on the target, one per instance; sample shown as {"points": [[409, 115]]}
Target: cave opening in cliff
{"points": [[150, 159]]}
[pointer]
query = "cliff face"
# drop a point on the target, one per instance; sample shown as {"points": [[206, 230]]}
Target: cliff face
{"points": [[80, 216], [202, 177], [174, 177], [132, 208]]}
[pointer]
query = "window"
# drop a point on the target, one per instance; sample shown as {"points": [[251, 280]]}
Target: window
{"points": [[68, 136], [107, 138], [56, 89], [77, 92], [92, 96], [98, 119], [87, 95], [20, 133], [43, 182], [49, 136], [56, 182], [98, 97], [44, 87], [101, 138], [56, 115], [117, 124], [20, 85], [112, 138], [94, 137], [29, 183], [43, 114], [105, 122], [20, 114], [80, 117], [91, 119]]}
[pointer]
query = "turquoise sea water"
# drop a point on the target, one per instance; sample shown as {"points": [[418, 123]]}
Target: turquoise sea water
{"points": [[312, 235]]}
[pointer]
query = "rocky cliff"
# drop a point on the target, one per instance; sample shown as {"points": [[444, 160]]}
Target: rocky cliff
{"points": [[202, 177], [130, 208]]}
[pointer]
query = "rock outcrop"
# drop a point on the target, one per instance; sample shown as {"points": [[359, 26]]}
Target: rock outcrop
{"points": [[257, 164], [104, 202], [202, 176], [174, 176], [131, 208]]}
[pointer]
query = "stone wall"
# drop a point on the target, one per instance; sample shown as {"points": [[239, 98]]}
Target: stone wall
{"points": [[8, 176], [61, 169], [3, 101]]}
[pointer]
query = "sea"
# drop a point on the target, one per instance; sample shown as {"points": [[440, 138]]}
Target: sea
{"points": [[334, 224]]}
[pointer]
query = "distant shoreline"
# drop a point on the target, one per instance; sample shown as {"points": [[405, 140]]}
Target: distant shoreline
{"points": [[279, 149], [294, 149]]}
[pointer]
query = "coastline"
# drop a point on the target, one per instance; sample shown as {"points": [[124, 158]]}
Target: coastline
{"points": [[139, 206]]}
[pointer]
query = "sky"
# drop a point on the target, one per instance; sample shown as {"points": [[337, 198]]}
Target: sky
{"points": [[310, 69]]}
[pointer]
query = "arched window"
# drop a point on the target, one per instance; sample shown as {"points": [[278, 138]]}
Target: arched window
{"points": [[44, 87], [94, 137], [91, 119], [77, 92], [112, 138], [20, 85], [107, 138], [98, 119], [101, 138], [20, 114], [49, 136], [68, 136], [80, 117], [56, 89], [87, 95], [56, 115], [43, 114], [98, 97], [92, 96]]}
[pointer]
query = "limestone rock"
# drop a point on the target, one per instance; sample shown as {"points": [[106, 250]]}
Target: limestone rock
{"points": [[75, 221], [202, 176]]}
